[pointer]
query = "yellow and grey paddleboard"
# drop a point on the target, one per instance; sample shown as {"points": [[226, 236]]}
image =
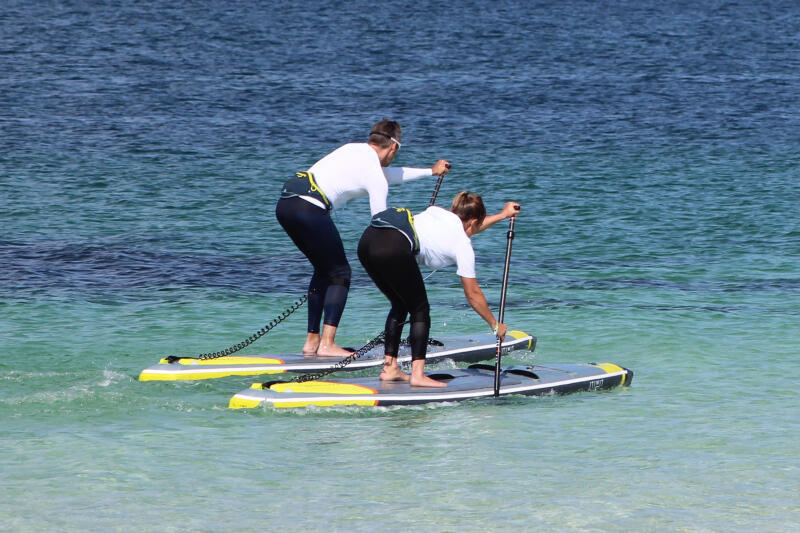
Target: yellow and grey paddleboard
{"points": [[472, 383], [465, 348]]}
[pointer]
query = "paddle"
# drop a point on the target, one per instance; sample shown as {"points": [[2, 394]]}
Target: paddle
{"points": [[503, 306], [436, 190]]}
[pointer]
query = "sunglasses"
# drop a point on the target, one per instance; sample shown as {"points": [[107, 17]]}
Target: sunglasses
{"points": [[399, 145]]}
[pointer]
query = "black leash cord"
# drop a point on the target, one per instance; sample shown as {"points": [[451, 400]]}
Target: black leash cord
{"points": [[377, 341], [251, 339], [342, 363]]}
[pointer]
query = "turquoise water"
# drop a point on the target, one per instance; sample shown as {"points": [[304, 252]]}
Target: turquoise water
{"points": [[653, 146]]}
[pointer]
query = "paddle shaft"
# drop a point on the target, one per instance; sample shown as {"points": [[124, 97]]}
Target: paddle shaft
{"points": [[499, 353]]}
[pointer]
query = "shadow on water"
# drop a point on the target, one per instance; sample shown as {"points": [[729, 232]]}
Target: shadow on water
{"points": [[33, 268]]}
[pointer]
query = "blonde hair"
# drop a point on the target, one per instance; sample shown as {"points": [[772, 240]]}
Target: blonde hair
{"points": [[468, 206]]}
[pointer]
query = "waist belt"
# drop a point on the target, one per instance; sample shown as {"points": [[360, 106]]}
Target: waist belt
{"points": [[303, 184], [398, 218]]}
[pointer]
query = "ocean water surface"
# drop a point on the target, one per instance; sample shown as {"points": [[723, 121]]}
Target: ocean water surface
{"points": [[654, 149]]}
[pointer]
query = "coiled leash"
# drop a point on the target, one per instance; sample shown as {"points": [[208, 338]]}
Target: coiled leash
{"points": [[251, 339], [377, 341]]}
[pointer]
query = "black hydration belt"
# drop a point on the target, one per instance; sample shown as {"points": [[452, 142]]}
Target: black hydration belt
{"points": [[398, 218], [303, 184]]}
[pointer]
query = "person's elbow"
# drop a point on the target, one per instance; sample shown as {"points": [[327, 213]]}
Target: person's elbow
{"points": [[472, 290]]}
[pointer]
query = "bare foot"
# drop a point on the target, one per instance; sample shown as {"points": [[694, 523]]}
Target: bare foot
{"points": [[312, 343], [310, 349], [393, 373], [425, 381], [332, 351]]}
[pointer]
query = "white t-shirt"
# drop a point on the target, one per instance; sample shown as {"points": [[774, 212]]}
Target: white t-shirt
{"points": [[354, 170], [442, 241]]}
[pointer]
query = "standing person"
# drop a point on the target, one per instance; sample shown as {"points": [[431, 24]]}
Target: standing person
{"points": [[437, 238], [303, 210]]}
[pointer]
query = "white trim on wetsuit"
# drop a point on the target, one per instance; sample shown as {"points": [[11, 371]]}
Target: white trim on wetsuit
{"points": [[354, 170]]}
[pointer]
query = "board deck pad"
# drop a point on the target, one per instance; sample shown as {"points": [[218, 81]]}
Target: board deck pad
{"points": [[471, 383], [463, 348]]}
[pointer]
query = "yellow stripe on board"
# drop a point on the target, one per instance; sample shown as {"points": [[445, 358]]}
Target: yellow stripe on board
{"points": [[611, 368], [242, 403], [313, 387], [229, 360], [319, 403], [519, 335], [188, 375], [323, 387]]}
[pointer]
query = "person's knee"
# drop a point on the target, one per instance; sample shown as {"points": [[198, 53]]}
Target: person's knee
{"points": [[340, 275], [422, 313]]}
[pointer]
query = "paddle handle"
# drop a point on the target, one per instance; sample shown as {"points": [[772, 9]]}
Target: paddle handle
{"points": [[498, 355], [436, 190]]}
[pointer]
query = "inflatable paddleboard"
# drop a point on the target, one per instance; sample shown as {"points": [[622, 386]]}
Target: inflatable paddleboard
{"points": [[465, 348], [472, 383]]}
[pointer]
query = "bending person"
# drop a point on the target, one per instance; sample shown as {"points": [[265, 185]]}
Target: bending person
{"points": [[303, 210], [437, 238]]}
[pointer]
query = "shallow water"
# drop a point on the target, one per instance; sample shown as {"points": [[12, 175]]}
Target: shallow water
{"points": [[653, 146]]}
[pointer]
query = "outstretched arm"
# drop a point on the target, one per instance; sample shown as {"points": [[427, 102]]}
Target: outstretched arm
{"points": [[511, 209], [478, 302], [403, 174]]}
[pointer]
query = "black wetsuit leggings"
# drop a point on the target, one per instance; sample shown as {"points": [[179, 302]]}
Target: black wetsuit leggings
{"points": [[313, 231], [389, 261]]}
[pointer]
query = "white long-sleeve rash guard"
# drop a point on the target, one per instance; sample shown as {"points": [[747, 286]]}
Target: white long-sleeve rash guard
{"points": [[354, 170]]}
